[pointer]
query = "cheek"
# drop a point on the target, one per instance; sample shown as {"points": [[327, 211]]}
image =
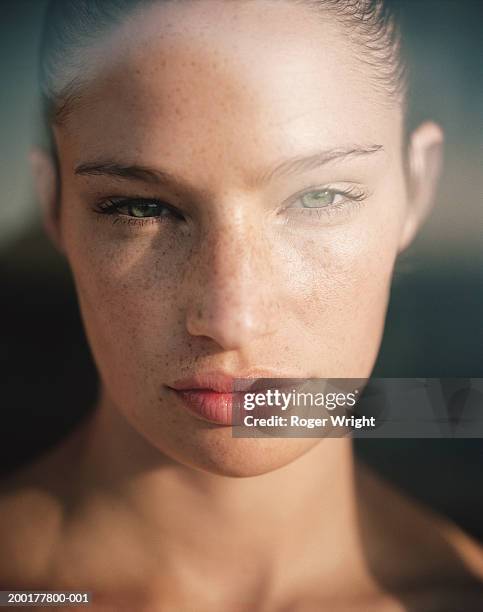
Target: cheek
{"points": [[127, 285], [340, 295]]}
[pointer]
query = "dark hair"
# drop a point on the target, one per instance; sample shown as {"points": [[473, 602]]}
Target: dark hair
{"points": [[73, 25]]}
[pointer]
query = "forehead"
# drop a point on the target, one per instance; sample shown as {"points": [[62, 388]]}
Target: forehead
{"points": [[234, 81]]}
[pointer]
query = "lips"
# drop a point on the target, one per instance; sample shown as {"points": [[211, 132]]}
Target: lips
{"points": [[210, 405], [210, 396]]}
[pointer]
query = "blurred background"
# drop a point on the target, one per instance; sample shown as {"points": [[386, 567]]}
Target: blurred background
{"points": [[434, 326]]}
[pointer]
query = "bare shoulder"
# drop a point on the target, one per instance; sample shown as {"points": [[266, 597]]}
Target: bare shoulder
{"points": [[53, 538], [33, 503], [416, 552], [30, 522]]}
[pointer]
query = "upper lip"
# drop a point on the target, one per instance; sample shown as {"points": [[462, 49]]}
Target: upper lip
{"points": [[221, 382]]}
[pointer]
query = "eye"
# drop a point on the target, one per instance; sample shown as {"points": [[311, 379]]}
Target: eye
{"points": [[142, 209], [327, 203], [327, 199], [137, 208], [320, 198]]}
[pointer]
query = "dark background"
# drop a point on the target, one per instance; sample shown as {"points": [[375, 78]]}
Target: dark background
{"points": [[434, 326]]}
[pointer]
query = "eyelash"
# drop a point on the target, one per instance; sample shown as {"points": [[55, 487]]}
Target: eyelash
{"points": [[352, 197], [112, 206]]}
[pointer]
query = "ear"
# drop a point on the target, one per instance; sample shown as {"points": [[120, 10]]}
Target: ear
{"points": [[44, 170], [425, 158]]}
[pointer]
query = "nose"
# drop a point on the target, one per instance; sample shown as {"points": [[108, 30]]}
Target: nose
{"points": [[233, 287]]}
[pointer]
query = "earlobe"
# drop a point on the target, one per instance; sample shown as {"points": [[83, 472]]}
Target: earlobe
{"points": [[425, 159], [45, 177]]}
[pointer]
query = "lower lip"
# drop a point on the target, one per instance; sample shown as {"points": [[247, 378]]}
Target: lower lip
{"points": [[217, 407], [209, 405]]}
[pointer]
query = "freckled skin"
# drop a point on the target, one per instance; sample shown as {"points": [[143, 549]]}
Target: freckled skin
{"points": [[242, 276], [246, 280]]}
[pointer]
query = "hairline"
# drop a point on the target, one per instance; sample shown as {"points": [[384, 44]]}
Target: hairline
{"points": [[376, 37]]}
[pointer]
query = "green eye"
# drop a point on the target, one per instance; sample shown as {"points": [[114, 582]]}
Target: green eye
{"points": [[138, 208], [142, 210], [318, 199]]}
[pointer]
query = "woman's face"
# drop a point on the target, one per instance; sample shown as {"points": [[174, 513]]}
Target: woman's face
{"points": [[272, 157]]}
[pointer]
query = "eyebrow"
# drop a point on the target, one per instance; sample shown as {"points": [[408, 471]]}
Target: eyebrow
{"points": [[158, 176], [302, 163]]}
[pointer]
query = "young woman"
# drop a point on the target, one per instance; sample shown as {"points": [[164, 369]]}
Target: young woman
{"points": [[231, 182]]}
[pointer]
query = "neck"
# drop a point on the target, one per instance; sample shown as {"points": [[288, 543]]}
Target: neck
{"points": [[216, 519]]}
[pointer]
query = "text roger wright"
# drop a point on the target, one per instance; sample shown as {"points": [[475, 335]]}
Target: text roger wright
{"points": [[334, 420]]}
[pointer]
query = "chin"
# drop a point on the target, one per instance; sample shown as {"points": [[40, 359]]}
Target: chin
{"points": [[221, 454]]}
